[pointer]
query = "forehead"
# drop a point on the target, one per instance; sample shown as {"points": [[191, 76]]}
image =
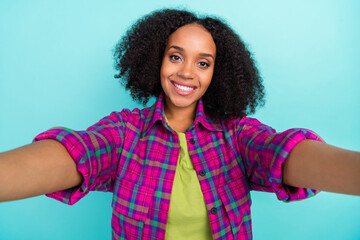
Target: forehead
{"points": [[193, 37]]}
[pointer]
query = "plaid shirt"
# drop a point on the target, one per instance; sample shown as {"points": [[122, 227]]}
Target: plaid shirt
{"points": [[134, 155]]}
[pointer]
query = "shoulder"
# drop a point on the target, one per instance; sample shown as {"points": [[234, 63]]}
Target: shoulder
{"points": [[243, 124], [135, 119], [127, 115], [121, 118]]}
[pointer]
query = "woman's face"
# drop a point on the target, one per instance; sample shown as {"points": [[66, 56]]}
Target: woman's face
{"points": [[187, 67]]}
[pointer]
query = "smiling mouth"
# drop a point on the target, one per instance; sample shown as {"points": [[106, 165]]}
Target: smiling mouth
{"points": [[183, 88]]}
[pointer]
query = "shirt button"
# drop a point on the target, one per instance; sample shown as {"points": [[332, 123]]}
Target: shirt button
{"points": [[192, 141], [213, 211], [202, 173]]}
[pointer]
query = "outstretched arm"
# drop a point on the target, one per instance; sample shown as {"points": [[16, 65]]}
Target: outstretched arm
{"points": [[317, 165], [35, 169]]}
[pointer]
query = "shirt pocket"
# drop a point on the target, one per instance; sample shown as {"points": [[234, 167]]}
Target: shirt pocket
{"points": [[235, 196], [131, 199]]}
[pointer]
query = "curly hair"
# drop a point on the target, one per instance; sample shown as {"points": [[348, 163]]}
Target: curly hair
{"points": [[236, 87]]}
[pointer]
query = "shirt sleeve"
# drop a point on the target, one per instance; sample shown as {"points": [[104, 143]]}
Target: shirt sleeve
{"points": [[95, 152], [263, 151]]}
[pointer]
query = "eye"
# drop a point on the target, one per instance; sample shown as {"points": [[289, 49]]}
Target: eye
{"points": [[175, 58], [204, 64]]}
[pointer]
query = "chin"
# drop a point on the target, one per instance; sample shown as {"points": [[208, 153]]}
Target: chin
{"points": [[182, 103]]}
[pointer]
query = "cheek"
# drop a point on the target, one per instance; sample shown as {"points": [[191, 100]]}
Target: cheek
{"points": [[162, 71], [164, 75], [207, 79], [165, 69]]}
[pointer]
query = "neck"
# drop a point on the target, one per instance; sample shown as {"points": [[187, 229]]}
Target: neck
{"points": [[179, 118]]}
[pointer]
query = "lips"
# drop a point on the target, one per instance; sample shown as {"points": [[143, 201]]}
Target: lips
{"points": [[183, 89]]}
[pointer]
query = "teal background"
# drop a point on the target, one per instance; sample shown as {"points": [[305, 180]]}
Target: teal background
{"points": [[56, 70]]}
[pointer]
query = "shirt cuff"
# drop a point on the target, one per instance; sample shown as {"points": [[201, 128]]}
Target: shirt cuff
{"points": [[74, 145], [284, 192]]}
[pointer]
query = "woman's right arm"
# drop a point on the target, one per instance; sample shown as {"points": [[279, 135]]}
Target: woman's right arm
{"points": [[35, 169]]}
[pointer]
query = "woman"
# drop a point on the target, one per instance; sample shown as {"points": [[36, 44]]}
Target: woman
{"points": [[184, 167]]}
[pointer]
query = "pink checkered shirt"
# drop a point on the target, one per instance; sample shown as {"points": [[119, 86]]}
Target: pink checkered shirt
{"points": [[133, 154]]}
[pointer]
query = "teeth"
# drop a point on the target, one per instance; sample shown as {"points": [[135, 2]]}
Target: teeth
{"points": [[183, 87]]}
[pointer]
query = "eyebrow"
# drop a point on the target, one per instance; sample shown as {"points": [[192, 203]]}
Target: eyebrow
{"points": [[201, 54]]}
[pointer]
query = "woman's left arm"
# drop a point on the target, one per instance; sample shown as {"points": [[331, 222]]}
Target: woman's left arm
{"points": [[317, 165]]}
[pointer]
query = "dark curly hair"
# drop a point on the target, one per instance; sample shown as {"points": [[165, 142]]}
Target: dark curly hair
{"points": [[236, 88]]}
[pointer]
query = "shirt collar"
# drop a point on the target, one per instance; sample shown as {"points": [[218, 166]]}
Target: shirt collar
{"points": [[156, 113]]}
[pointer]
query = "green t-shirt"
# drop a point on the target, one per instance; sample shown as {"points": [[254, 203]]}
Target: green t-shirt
{"points": [[188, 216]]}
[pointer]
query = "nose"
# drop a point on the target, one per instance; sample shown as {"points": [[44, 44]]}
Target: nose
{"points": [[186, 70]]}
